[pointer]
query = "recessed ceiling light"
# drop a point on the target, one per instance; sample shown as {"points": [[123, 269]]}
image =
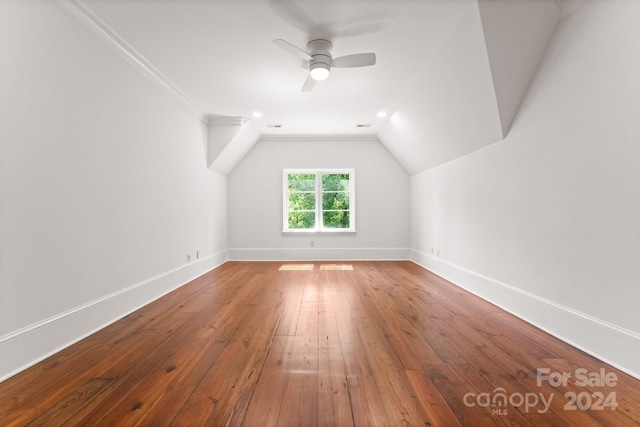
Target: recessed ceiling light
{"points": [[257, 114], [382, 114]]}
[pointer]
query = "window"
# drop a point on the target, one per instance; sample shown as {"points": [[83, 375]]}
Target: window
{"points": [[319, 200]]}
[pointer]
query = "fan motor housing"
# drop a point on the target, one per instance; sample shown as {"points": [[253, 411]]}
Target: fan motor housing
{"points": [[319, 46], [320, 51], [320, 60]]}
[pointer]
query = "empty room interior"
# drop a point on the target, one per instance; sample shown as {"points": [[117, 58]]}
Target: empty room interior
{"points": [[296, 212]]}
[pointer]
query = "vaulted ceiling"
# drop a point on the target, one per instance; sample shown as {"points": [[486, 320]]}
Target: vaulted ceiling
{"points": [[450, 74]]}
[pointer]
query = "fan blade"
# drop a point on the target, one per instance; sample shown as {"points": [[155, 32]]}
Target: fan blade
{"points": [[355, 60], [357, 30], [309, 84], [293, 49], [293, 13]]}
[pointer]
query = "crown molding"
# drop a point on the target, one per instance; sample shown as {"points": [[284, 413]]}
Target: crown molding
{"points": [[225, 120], [371, 137], [91, 22]]}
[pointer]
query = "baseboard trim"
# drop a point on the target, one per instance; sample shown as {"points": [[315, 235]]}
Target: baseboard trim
{"points": [[604, 340], [319, 254], [27, 346]]}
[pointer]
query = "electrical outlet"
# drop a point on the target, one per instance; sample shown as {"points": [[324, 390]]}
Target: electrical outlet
{"points": [[188, 257], [197, 254], [312, 244]]}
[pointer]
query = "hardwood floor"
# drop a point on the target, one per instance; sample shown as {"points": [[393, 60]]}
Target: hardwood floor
{"points": [[319, 343]]}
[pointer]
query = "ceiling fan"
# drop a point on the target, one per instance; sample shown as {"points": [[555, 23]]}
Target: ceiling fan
{"points": [[321, 61]]}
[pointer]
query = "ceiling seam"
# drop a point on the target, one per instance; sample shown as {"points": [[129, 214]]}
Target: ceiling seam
{"points": [[494, 90], [570, 8], [319, 138]]}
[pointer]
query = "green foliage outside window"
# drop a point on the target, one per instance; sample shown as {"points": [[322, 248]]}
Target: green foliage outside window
{"points": [[302, 220], [302, 201], [335, 182], [302, 182], [335, 200]]}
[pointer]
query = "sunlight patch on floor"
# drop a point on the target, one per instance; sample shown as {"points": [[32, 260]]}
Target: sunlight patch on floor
{"points": [[342, 267], [299, 267]]}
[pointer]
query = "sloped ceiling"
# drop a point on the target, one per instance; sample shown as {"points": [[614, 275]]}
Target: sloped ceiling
{"points": [[450, 74], [517, 34]]}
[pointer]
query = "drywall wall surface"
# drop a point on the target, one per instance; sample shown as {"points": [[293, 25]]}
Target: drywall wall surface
{"points": [[550, 214], [256, 201], [104, 186]]}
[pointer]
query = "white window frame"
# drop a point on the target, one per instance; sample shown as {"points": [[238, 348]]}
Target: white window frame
{"points": [[319, 228]]}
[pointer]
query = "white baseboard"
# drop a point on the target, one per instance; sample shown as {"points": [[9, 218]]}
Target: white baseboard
{"points": [[610, 343], [25, 347], [319, 254], [614, 345]]}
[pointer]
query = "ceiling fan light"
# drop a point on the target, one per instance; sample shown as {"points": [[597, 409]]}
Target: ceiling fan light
{"points": [[319, 71]]}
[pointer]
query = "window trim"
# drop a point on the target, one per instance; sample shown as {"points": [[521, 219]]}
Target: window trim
{"points": [[318, 208]]}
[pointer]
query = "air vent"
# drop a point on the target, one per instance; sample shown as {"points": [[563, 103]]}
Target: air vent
{"points": [[274, 126], [363, 125]]}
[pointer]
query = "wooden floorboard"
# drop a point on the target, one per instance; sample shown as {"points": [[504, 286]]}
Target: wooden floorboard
{"points": [[317, 343]]}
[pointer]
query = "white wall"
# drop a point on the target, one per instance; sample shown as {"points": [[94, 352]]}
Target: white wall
{"points": [[255, 201], [546, 222], [103, 184]]}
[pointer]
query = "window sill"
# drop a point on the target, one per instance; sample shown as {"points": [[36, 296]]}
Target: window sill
{"points": [[322, 232]]}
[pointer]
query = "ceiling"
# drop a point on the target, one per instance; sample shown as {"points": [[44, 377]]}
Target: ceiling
{"points": [[450, 74]]}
